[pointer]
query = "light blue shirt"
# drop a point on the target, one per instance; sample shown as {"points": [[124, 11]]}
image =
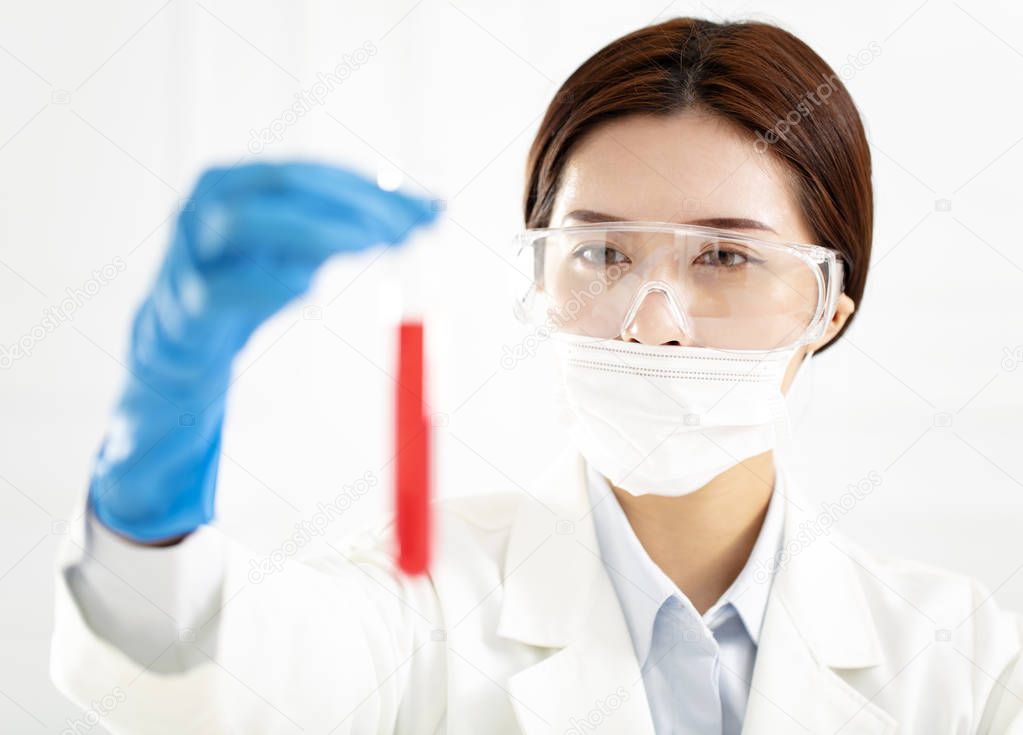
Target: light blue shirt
{"points": [[696, 669]]}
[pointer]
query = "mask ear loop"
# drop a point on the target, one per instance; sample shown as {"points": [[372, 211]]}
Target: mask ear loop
{"points": [[799, 399], [796, 403], [800, 394]]}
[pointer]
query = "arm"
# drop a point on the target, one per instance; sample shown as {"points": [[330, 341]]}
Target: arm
{"points": [[162, 620], [327, 644], [1003, 712]]}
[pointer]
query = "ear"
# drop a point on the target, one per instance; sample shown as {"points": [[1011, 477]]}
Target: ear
{"points": [[843, 310]]}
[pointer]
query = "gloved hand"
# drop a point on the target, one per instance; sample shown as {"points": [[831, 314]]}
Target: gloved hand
{"points": [[249, 241]]}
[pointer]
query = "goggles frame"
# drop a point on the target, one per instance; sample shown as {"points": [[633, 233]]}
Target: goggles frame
{"points": [[825, 263]]}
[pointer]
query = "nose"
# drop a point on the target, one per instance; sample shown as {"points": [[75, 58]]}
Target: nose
{"points": [[654, 323]]}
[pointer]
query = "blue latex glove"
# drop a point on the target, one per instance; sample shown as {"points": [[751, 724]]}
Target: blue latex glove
{"points": [[248, 242]]}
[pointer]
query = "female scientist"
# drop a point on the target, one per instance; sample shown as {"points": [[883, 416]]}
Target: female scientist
{"points": [[699, 211]]}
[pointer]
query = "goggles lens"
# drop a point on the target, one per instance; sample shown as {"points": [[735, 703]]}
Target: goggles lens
{"points": [[723, 290]]}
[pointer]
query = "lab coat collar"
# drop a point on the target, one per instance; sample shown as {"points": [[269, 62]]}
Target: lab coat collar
{"points": [[557, 594]]}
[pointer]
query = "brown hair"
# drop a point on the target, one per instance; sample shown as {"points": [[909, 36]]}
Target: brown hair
{"points": [[755, 75]]}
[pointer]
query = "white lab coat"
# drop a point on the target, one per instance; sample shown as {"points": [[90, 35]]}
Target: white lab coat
{"points": [[518, 629]]}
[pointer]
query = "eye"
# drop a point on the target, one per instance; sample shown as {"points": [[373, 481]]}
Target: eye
{"points": [[600, 254], [723, 255]]}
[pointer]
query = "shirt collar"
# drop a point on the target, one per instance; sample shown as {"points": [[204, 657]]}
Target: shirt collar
{"points": [[642, 586]]}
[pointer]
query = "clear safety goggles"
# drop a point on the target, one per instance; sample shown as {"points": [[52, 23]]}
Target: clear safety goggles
{"points": [[721, 289]]}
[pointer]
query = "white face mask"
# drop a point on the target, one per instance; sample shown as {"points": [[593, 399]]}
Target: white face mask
{"points": [[665, 420]]}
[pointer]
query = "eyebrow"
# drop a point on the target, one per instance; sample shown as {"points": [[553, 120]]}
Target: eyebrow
{"points": [[723, 223]]}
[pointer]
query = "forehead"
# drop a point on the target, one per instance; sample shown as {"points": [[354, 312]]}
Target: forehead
{"points": [[678, 168]]}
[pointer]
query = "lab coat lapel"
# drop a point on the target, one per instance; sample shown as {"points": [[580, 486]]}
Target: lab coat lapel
{"points": [[817, 622], [558, 595]]}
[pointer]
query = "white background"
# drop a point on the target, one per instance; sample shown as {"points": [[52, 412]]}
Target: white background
{"points": [[111, 109]]}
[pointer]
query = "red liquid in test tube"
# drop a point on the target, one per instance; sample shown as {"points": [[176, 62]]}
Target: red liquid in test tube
{"points": [[412, 451]]}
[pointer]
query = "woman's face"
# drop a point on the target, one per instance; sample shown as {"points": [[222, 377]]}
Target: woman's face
{"points": [[690, 168]]}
